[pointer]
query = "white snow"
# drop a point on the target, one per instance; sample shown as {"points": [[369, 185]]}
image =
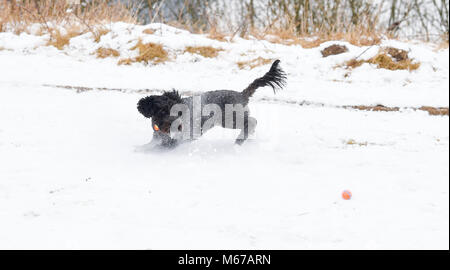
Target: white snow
{"points": [[311, 77], [73, 174]]}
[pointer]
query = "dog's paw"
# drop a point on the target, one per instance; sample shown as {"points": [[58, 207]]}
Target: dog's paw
{"points": [[239, 141]]}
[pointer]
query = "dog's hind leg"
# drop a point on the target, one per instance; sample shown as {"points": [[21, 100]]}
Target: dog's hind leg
{"points": [[249, 129]]}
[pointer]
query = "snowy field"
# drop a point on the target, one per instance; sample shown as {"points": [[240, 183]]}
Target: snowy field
{"points": [[73, 174]]}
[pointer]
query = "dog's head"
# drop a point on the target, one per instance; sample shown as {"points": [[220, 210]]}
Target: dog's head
{"points": [[158, 108]]}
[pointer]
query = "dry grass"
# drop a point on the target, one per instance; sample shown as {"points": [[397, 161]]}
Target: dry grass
{"points": [[148, 53], [289, 34], [397, 54], [359, 35], [380, 108], [442, 45], [19, 15], [353, 63], [314, 41], [60, 40], [254, 63], [205, 51], [148, 31], [385, 61], [334, 50], [435, 111], [308, 42], [99, 32], [107, 52], [377, 108], [214, 33], [353, 142], [387, 58]]}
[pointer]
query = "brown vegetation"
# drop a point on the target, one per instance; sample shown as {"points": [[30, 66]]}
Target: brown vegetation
{"points": [[205, 51], [292, 22], [217, 35], [383, 60], [443, 44], [254, 63], [99, 32], [377, 108], [353, 142], [435, 111], [360, 22], [148, 53], [334, 50], [358, 37], [397, 54], [59, 40], [381, 108], [148, 31], [107, 52], [387, 58], [19, 15]]}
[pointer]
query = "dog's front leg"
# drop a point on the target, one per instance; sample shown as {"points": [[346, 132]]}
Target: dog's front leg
{"points": [[162, 139], [156, 142], [156, 139], [168, 142]]}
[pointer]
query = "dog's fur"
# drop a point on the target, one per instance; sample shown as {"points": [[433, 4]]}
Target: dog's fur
{"points": [[158, 107]]}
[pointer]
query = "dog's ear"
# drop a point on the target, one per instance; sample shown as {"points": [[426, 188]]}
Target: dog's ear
{"points": [[174, 96], [166, 101], [146, 106], [158, 106]]}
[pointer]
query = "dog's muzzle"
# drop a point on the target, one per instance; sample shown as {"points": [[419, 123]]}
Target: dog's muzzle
{"points": [[163, 129]]}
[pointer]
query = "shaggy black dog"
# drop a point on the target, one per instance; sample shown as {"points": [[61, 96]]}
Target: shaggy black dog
{"points": [[168, 127]]}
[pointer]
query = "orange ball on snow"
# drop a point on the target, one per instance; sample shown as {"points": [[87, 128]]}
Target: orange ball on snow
{"points": [[346, 195]]}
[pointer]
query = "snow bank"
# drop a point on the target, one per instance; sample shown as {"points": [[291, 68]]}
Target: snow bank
{"points": [[311, 77]]}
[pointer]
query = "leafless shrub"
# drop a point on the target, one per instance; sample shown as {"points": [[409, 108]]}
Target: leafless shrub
{"points": [[361, 22], [18, 15]]}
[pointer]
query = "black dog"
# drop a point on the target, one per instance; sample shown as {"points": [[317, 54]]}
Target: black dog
{"points": [[158, 108]]}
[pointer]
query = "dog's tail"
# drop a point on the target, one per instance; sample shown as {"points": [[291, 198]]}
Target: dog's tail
{"points": [[275, 78]]}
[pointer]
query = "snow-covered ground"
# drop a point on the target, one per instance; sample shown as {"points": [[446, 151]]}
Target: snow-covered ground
{"points": [[72, 173]]}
